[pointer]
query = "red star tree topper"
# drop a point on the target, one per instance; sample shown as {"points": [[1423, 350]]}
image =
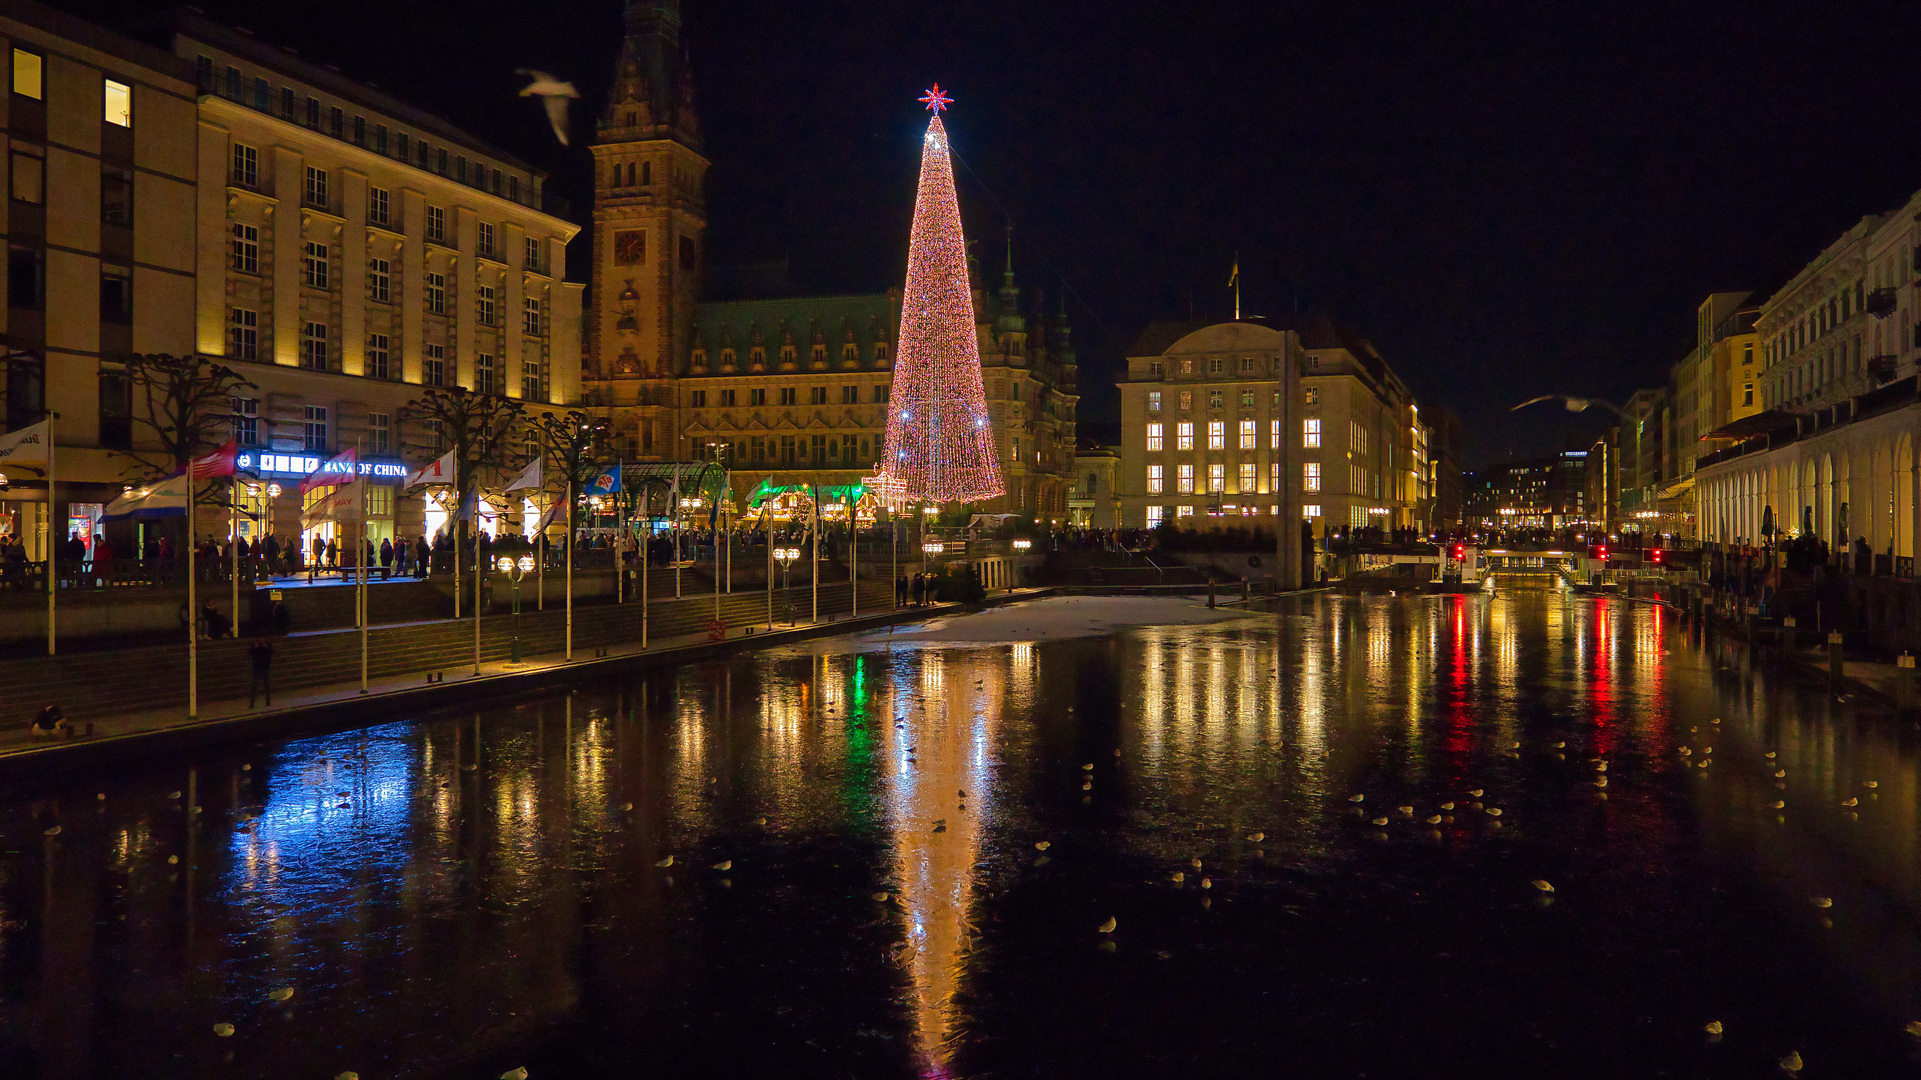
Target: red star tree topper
{"points": [[940, 441]]}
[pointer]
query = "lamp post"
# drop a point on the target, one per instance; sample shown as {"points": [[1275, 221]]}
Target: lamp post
{"points": [[1021, 547], [929, 549], [515, 570], [786, 556]]}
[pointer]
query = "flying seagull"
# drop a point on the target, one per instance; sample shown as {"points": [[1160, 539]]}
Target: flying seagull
{"points": [[1574, 404], [554, 94]]}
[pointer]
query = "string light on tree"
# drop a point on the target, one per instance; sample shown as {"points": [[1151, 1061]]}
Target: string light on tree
{"points": [[940, 444]]}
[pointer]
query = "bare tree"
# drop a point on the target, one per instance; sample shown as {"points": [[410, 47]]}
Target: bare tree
{"points": [[186, 402], [478, 428]]}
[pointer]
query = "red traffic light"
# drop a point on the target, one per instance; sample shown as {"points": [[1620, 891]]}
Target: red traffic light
{"points": [[1460, 552], [1601, 552], [1654, 555]]}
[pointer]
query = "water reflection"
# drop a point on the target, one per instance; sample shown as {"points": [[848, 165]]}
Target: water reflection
{"points": [[627, 877]]}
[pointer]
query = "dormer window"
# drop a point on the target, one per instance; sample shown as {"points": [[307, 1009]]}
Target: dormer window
{"points": [[633, 117], [700, 358], [819, 354], [880, 352], [757, 356], [727, 359], [850, 354], [787, 354]]}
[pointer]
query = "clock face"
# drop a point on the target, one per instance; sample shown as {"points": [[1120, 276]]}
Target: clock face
{"points": [[630, 247]]}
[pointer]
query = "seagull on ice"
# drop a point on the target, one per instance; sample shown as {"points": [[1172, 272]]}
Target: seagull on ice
{"points": [[553, 93]]}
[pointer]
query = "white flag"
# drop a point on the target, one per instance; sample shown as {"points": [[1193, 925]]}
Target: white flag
{"points": [[28, 446], [529, 477], [440, 471]]}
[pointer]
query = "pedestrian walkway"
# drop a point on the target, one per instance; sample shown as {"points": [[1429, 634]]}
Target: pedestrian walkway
{"points": [[139, 732]]}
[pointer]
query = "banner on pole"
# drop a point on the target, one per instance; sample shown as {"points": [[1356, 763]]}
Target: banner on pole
{"points": [[28, 446]]}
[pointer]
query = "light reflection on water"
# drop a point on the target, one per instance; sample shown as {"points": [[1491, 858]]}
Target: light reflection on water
{"points": [[477, 891]]}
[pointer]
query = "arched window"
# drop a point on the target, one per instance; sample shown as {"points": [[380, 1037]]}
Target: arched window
{"points": [[646, 173], [630, 174]]}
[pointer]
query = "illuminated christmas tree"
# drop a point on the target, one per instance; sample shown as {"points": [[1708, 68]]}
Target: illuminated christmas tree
{"points": [[940, 442]]}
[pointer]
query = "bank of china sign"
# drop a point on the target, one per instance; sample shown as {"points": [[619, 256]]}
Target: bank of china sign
{"points": [[304, 465]]}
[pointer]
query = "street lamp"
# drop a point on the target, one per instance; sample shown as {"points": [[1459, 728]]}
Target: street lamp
{"points": [[1022, 545], [515, 570], [785, 556]]}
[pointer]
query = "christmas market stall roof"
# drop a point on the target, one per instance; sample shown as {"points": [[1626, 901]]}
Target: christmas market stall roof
{"points": [[696, 477], [826, 493]]}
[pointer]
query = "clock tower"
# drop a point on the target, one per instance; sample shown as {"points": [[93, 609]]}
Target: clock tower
{"points": [[649, 221]]}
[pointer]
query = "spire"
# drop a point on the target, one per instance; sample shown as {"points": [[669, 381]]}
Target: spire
{"points": [[652, 96], [1010, 321]]}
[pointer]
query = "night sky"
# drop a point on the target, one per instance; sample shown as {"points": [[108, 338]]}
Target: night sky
{"points": [[1507, 200]]}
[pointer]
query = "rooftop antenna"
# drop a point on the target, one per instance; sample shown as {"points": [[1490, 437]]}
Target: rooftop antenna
{"points": [[1234, 279]]}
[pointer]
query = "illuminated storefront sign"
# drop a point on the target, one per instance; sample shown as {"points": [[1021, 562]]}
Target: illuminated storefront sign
{"points": [[379, 470]]}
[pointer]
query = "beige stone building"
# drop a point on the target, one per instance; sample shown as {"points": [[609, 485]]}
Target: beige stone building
{"points": [[100, 248], [786, 388], [353, 250], [1207, 427], [1094, 501], [1207, 442]]}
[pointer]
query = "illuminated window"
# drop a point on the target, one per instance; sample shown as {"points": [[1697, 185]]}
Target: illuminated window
{"points": [[1311, 476], [1184, 435], [1184, 479], [1184, 510], [1154, 439], [1310, 432], [1274, 477], [1311, 510], [1216, 478], [1187, 400], [1215, 399], [28, 74], [1153, 401], [119, 104], [1217, 434], [1156, 479], [1312, 395], [1250, 435], [1154, 515], [1248, 478], [1356, 437], [1274, 435], [1187, 367]]}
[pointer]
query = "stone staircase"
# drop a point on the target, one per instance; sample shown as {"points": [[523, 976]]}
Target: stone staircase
{"points": [[88, 685]]}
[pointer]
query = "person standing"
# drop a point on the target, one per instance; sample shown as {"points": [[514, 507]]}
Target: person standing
{"points": [[422, 555], [332, 550], [272, 549], [260, 655], [386, 558], [900, 591], [920, 589]]}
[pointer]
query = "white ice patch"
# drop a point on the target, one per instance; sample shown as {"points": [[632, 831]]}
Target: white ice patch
{"points": [[1042, 620]]}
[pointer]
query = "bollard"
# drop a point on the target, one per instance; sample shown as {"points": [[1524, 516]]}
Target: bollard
{"points": [[1904, 682], [1245, 597], [1210, 592], [1789, 638], [1834, 657]]}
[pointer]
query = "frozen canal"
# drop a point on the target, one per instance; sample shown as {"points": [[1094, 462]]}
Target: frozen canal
{"points": [[1526, 836]]}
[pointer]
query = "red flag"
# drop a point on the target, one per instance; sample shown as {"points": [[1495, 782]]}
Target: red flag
{"points": [[218, 463], [342, 468]]}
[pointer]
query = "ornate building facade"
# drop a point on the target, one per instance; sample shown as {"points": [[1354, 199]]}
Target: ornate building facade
{"points": [[789, 389]]}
